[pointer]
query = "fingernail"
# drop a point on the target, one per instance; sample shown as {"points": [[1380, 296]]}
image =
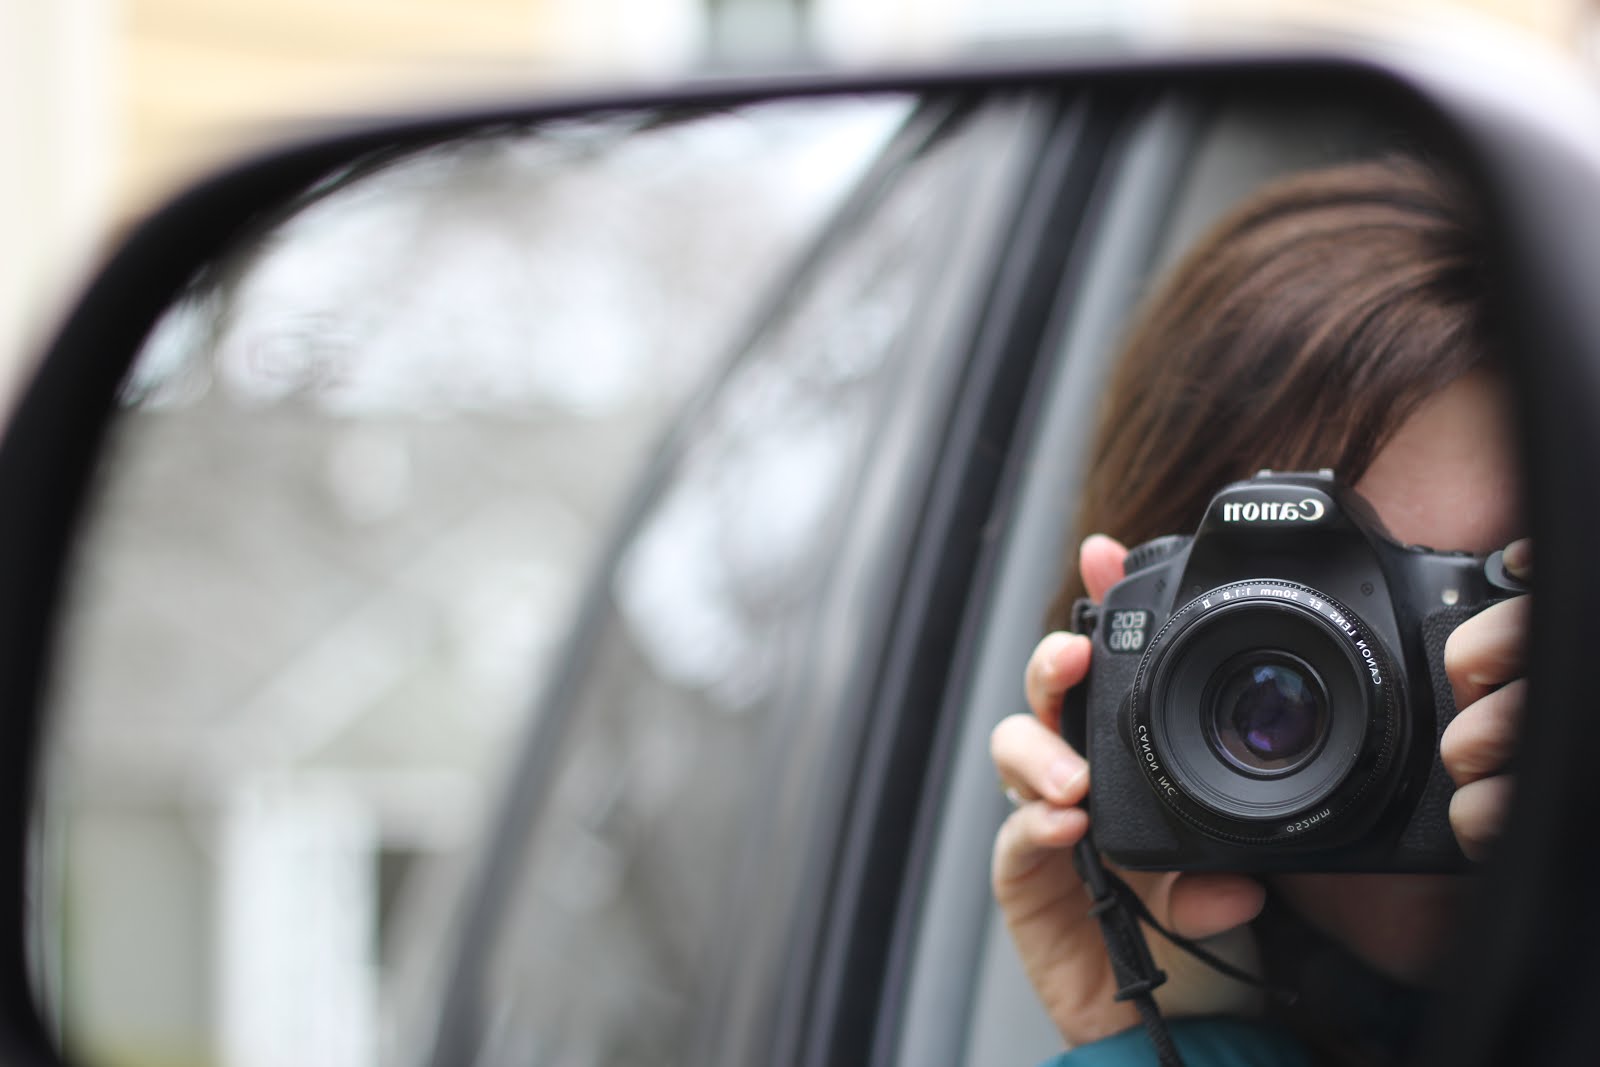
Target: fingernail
{"points": [[1072, 641], [1052, 653], [1518, 558], [1059, 643], [1064, 778]]}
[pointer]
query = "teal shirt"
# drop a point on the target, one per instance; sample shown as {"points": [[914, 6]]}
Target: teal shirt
{"points": [[1213, 1042]]}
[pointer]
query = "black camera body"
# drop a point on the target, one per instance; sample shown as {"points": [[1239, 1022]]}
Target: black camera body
{"points": [[1268, 695]]}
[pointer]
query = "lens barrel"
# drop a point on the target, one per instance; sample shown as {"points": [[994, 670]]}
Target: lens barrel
{"points": [[1266, 712]]}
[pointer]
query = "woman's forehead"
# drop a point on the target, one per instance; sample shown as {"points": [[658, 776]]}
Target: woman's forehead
{"points": [[1448, 478]]}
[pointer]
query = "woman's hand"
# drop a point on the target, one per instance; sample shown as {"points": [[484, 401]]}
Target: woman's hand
{"points": [[1039, 891], [1486, 659]]}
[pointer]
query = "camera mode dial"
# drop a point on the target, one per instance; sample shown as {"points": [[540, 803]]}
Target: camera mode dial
{"points": [[1152, 552]]}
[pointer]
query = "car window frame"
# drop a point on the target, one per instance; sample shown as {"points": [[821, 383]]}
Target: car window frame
{"points": [[862, 976]]}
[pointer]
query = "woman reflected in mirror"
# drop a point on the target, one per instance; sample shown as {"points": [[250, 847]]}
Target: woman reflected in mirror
{"points": [[1337, 319]]}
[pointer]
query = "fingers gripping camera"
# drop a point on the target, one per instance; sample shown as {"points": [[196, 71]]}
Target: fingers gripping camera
{"points": [[1268, 694]]}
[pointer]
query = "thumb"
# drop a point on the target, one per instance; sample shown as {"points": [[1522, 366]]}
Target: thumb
{"points": [[1100, 563]]}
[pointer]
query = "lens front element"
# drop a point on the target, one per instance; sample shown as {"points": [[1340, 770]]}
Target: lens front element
{"points": [[1269, 714]]}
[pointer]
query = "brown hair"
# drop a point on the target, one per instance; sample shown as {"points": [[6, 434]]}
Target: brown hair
{"points": [[1298, 334]]}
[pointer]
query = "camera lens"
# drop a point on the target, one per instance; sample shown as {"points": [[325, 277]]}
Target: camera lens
{"points": [[1264, 708], [1269, 713]]}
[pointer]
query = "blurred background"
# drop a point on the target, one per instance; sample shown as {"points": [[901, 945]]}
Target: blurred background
{"points": [[351, 505], [110, 105]]}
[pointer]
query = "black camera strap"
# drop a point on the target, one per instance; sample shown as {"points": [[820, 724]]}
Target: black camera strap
{"points": [[1119, 911], [1117, 908]]}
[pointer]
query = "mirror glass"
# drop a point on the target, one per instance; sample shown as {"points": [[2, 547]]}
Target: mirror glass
{"points": [[357, 477], [663, 407]]}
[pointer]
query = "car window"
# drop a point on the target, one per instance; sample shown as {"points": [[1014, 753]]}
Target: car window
{"points": [[694, 750], [350, 493]]}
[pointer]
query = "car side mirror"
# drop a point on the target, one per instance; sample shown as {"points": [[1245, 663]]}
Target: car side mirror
{"points": [[505, 279]]}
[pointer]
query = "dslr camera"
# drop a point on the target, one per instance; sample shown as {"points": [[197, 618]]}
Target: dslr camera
{"points": [[1268, 695]]}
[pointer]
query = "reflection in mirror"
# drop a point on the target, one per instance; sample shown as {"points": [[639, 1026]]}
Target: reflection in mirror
{"points": [[356, 477], [1330, 313]]}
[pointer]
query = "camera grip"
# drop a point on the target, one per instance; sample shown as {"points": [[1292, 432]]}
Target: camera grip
{"points": [[1428, 832]]}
